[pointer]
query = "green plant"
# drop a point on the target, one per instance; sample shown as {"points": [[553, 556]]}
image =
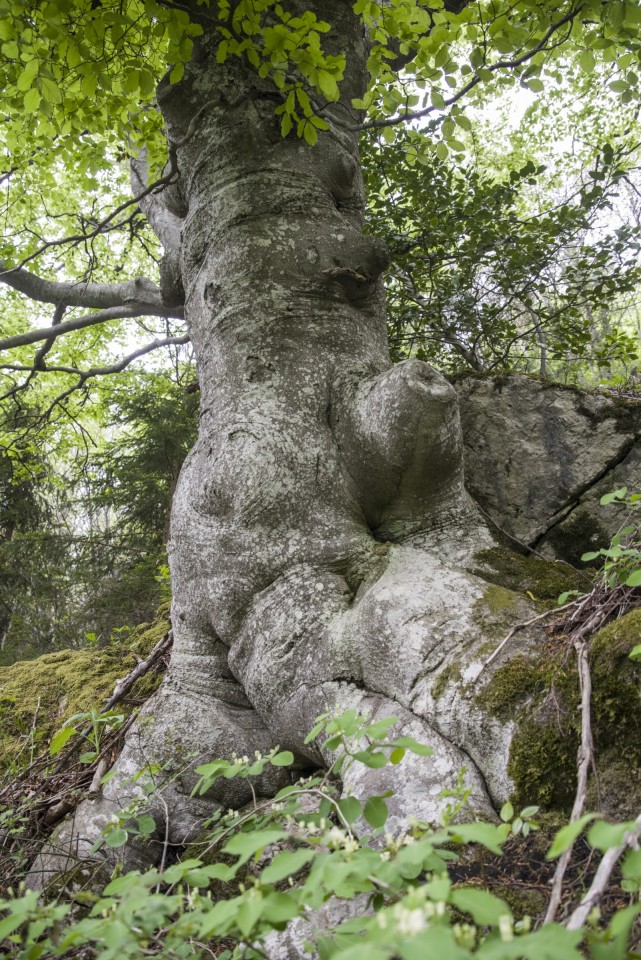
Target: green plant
{"points": [[284, 857], [622, 559], [100, 723]]}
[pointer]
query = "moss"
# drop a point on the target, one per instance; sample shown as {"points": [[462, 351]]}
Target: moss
{"points": [[541, 579], [542, 764], [541, 695], [510, 686], [498, 598], [616, 711], [37, 696], [450, 674]]}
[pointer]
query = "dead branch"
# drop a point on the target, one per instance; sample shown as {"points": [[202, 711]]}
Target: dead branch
{"points": [[96, 296], [515, 629], [602, 877], [124, 686], [584, 762]]}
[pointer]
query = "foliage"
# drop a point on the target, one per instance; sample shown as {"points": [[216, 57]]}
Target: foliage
{"points": [[622, 559], [84, 540], [480, 277], [265, 868], [99, 723]]}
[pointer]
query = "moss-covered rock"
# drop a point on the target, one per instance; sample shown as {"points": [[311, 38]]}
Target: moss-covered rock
{"points": [[541, 696], [37, 696], [543, 580]]}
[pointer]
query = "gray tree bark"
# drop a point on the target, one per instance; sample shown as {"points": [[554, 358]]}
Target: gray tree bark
{"points": [[322, 541]]}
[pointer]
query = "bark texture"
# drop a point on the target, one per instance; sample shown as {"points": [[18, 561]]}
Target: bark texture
{"points": [[322, 540]]}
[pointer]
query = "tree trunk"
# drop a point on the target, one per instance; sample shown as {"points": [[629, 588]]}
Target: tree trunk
{"points": [[322, 539]]}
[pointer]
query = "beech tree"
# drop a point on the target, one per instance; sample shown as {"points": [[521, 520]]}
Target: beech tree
{"points": [[323, 549]]}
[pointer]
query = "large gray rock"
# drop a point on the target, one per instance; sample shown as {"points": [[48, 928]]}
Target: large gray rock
{"points": [[538, 458]]}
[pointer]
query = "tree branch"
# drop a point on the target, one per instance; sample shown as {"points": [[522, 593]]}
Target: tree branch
{"points": [[450, 101], [98, 371], [166, 225], [91, 295], [101, 316]]}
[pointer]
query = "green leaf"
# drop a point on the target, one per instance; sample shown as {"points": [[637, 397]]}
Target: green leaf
{"points": [[603, 836], [587, 61], [202, 876], [116, 838], [566, 836], [507, 812], [249, 913], [635, 653], [376, 812], [49, 90], [634, 580], [397, 755], [441, 150], [285, 128], [280, 907], [328, 86], [309, 133], [483, 907], [28, 75], [245, 845], [618, 494], [631, 866], [380, 728], [9, 924], [283, 759], [31, 100], [146, 824], [350, 807], [414, 746], [60, 739], [286, 863], [371, 758], [486, 834]]}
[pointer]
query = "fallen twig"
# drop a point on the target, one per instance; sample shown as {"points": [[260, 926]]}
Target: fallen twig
{"points": [[124, 686], [584, 762], [602, 876], [520, 626]]}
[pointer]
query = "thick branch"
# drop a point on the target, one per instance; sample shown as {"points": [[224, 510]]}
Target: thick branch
{"points": [[101, 316], [165, 224], [91, 295]]}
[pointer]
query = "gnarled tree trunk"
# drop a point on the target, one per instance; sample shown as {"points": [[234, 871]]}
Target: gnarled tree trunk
{"points": [[322, 539]]}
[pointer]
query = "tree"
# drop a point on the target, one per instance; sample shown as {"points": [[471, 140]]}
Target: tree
{"points": [[322, 544]]}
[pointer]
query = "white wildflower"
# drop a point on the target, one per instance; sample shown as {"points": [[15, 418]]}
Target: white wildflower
{"points": [[350, 845], [505, 928], [336, 837], [410, 922]]}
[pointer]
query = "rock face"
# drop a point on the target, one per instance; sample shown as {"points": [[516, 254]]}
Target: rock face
{"points": [[539, 457]]}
